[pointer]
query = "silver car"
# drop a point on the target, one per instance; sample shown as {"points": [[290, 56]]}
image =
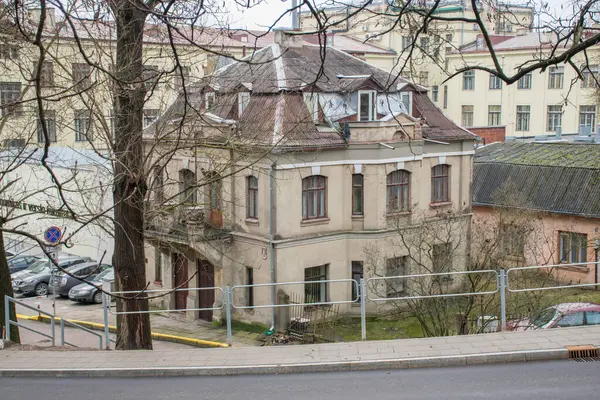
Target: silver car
{"points": [[86, 293], [34, 280]]}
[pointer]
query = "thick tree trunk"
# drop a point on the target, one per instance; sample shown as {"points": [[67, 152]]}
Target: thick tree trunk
{"points": [[6, 289], [133, 330]]}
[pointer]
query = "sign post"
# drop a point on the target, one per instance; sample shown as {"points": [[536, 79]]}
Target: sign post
{"points": [[52, 235]]}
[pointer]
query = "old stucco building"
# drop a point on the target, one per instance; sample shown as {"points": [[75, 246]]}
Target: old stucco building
{"points": [[279, 170]]}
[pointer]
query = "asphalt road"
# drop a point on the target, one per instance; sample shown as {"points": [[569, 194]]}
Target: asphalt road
{"points": [[544, 380]]}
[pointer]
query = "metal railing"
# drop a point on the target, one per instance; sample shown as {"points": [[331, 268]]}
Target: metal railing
{"points": [[543, 267], [9, 323], [74, 325]]}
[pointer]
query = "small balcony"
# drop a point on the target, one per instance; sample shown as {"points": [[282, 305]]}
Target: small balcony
{"points": [[189, 223]]}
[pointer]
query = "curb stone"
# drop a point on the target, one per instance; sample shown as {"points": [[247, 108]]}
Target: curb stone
{"points": [[340, 366]]}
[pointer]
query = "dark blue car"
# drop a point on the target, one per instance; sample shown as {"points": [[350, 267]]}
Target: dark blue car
{"points": [[19, 263]]}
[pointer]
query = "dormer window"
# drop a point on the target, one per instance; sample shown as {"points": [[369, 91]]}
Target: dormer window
{"points": [[366, 105], [209, 100], [243, 101], [406, 99]]}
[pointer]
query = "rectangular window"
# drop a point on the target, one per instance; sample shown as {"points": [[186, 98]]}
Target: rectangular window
{"points": [[556, 76], [439, 183], [394, 267], [449, 37], [406, 42], [83, 127], [313, 197], [81, 75], [435, 93], [244, 100], [150, 116], [554, 118], [523, 114], [424, 78], [357, 275], [467, 115], [150, 76], [445, 96], [424, 42], [469, 80], [46, 74], [10, 95], [252, 202], [441, 259], [591, 77], [398, 191], [50, 118], [182, 76], [524, 81], [315, 292], [157, 265], [406, 99], [587, 119], [573, 247], [495, 82], [9, 51], [357, 194], [512, 240], [366, 105], [250, 290], [494, 115]]}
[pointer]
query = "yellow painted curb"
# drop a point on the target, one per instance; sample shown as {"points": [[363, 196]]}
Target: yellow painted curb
{"points": [[111, 328]]}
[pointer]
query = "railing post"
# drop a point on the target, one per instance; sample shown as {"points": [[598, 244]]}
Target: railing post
{"points": [[53, 329], [105, 303], [62, 332], [502, 278], [363, 301], [228, 314], [6, 317]]}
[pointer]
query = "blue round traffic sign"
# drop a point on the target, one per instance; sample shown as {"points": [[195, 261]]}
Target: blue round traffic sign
{"points": [[52, 234]]}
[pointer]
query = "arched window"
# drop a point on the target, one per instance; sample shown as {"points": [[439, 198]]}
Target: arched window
{"points": [[357, 194], [252, 197], [187, 181], [398, 191], [440, 190], [313, 197]]}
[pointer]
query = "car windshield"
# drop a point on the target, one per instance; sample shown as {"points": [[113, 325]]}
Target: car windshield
{"points": [[107, 275], [39, 266], [544, 317]]}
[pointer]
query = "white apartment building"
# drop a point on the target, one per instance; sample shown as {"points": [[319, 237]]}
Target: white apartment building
{"points": [[540, 103]]}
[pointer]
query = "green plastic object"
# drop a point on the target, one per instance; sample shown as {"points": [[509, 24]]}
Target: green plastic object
{"points": [[270, 332]]}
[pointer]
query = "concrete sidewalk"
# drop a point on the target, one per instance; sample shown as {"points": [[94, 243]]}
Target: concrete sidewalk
{"points": [[406, 353]]}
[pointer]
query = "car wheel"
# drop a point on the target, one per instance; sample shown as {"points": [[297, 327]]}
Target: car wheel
{"points": [[97, 299], [41, 289]]}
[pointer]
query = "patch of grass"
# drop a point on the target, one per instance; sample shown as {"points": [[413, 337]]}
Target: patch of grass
{"points": [[239, 326], [379, 328]]}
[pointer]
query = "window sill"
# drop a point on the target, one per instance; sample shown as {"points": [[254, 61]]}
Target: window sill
{"points": [[356, 216], [440, 204], [315, 221], [252, 221], [582, 268], [398, 214], [158, 283]]}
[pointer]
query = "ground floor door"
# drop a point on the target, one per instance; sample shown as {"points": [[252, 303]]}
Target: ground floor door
{"points": [[180, 277], [206, 278]]}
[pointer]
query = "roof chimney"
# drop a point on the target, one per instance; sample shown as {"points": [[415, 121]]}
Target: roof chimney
{"points": [[288, 39]]}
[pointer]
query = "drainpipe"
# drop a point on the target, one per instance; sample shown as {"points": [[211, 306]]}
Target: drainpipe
{"points": [[271, 244], [295, 14], [596, 247]]}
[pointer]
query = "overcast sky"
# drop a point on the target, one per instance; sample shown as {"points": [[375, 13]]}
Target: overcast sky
{"points": [[262, 15]]}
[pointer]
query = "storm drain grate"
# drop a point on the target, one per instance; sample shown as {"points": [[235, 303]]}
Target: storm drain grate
{"points": [[583, 353]]}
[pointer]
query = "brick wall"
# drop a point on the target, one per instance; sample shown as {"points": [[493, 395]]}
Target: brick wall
{"points": [[490, 134]]}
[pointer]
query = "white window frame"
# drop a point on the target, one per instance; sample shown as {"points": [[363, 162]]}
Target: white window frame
{"points": [[372, 99], [410, 101], [554, 117], [524, 82], [243, 101], [523, 118]]}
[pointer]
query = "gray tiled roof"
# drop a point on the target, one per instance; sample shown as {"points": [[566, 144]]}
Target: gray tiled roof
{"points": [[559, 178]]}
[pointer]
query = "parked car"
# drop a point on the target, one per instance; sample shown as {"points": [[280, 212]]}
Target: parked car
{"points": [[560, 315], [62, 282], [9, 254], [34, 279], [88, 292], [19, 263]]}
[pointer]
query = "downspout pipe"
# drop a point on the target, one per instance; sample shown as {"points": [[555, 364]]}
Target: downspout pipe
{"points": [[271, 243]]}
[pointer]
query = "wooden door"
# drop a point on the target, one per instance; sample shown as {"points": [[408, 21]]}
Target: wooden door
{"points": [[206, 278], [180, 277]]}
